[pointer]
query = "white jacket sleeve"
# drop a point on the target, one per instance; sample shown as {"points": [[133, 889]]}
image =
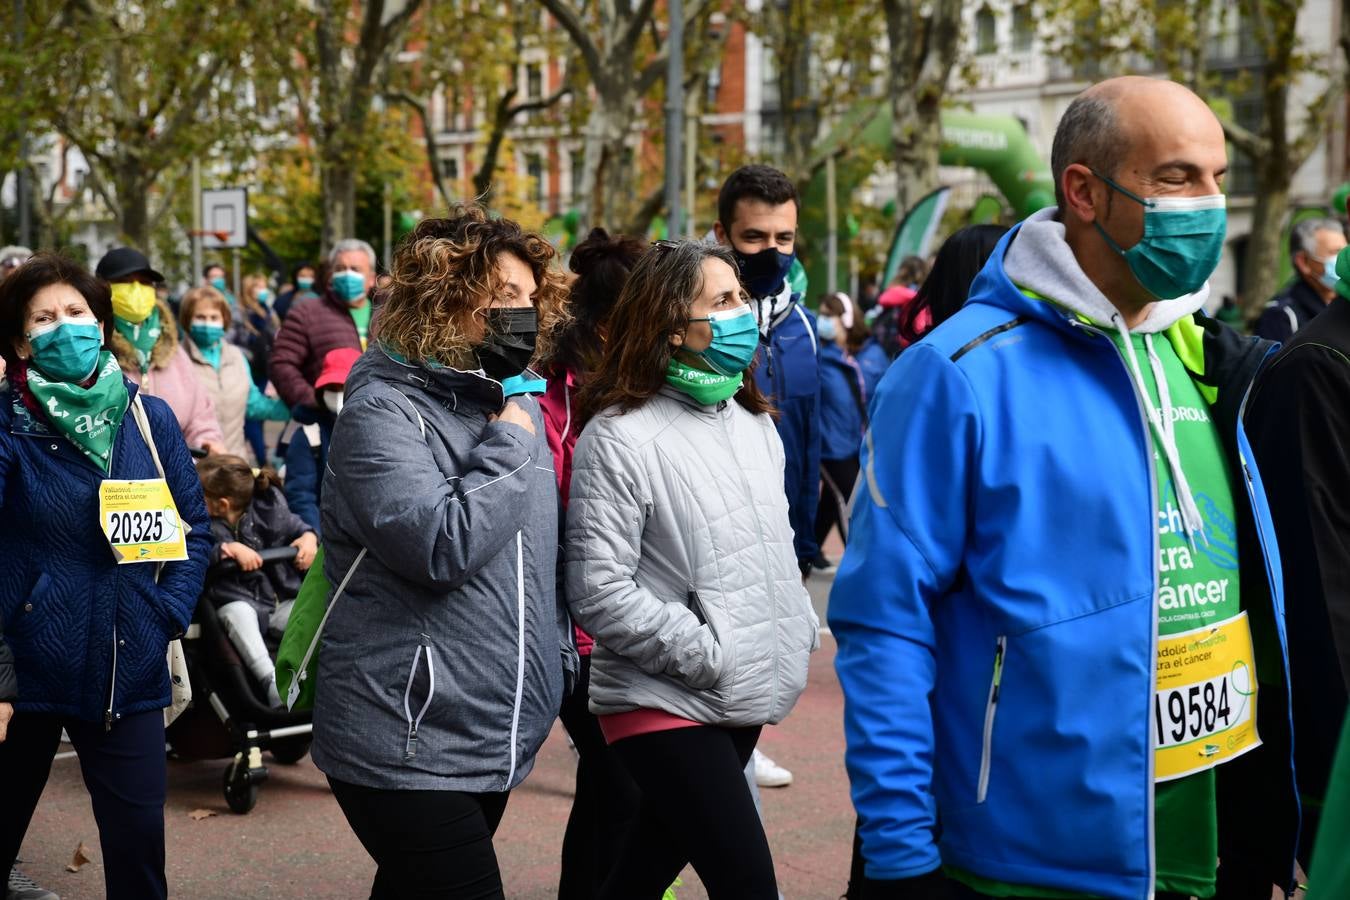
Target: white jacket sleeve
{"points": [[606, 519]]}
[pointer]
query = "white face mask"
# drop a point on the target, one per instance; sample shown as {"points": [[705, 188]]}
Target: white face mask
{"points": [[333, 400]]}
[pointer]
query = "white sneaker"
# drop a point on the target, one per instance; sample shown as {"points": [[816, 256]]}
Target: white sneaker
{"points": [[21, 887], [768, 773]]}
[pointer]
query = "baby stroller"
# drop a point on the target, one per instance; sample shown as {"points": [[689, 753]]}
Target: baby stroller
{"points": [[229, 717]]}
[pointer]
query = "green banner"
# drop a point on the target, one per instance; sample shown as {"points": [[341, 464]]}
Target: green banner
{"points": [[914, 234]]}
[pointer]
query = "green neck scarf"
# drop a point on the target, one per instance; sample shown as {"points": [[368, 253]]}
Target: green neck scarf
{"points": [[88, 417], [707, 388], [142, 337]]}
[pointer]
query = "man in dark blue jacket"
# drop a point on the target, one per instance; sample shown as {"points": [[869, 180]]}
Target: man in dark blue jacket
{"points": [[757, 218]]}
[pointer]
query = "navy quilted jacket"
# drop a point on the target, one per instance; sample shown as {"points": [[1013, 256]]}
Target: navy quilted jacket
{"points": [[88, 636]]}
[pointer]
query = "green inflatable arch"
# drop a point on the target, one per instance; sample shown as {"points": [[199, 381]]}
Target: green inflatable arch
{"points": [[996, 145]]}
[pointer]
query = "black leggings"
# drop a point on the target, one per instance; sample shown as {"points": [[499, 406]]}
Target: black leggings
{"points": [[125, 773], [426, 843], [837, 477], [606, 801], [695, 808]]}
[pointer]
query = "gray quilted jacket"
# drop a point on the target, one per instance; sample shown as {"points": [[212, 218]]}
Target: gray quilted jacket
{"points": [[442, 664], [680, 563]]}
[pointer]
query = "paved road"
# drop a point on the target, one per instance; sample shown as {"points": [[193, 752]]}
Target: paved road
{"points": [[296, 844]]}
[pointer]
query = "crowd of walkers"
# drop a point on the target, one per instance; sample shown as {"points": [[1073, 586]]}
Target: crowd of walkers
{"points": [[1088, 617]]}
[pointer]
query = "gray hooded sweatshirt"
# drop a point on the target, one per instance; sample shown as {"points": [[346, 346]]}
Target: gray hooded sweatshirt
{"points": [[442, 664]]}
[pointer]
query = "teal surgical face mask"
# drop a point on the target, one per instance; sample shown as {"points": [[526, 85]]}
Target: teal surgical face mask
{"points": [[735, 337], [1328, 276], [67, 350], [348, 285], [1182, 242]]}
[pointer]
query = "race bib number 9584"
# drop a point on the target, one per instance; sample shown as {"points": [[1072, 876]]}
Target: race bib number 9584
{"points": [[1204, 711]]}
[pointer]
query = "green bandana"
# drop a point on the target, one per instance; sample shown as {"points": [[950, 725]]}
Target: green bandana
{"points": [[707, 388], [142, 337], [88, 417]]}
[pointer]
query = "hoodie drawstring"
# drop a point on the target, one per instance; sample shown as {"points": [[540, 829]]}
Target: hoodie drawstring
{"points": [[1164, 428]]}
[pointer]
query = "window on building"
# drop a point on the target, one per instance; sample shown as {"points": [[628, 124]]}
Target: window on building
{"points": [[534, 81], [986, 36], [578, 173], [1247, 111], [1023, 28], [450, 168], [714, 85], [534, 170], [769, 98]]}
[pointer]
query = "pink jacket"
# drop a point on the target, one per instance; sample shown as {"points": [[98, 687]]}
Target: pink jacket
{"points": [[559, 404], [171, 378]]}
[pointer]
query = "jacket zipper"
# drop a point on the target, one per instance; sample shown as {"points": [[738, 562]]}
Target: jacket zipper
{"points": [[1151, 774], [410, 747], [768, 578], [112, 683], [990, 711], [520, 653]]}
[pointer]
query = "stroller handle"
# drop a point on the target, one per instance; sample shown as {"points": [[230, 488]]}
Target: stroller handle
{"points": [[270, 555]]}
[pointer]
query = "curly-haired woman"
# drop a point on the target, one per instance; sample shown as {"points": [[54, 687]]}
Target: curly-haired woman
{"points": [[680, 563], [443, 662]]}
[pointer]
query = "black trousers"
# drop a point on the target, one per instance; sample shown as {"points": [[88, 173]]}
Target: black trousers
{"points": [[696, 809], [125, 773], [837, 477], [606, 802], [1250, 890], [426, 843]]}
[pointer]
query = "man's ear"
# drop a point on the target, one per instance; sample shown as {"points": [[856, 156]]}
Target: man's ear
{"points": [[677, 339], [1078, 183], [721, 234]]}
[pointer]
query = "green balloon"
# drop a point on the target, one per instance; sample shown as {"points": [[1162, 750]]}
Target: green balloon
{"points": [[571, 221], [1339, 200]]}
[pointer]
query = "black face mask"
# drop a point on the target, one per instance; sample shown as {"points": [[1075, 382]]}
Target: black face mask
{"points": [[509, 345], [763, 272]]}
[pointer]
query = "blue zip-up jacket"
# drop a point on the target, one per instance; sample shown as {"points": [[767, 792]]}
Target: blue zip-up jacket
{"points": [[1009, 513], [789, 372], [304, 472], [873, 362], [841, 404], [72, 616]]}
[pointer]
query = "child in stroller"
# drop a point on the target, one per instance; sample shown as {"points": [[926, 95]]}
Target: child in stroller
{"points": [[249, 513]]}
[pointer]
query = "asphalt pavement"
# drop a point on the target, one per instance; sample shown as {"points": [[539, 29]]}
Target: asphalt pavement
{"points": [[296, 843]]}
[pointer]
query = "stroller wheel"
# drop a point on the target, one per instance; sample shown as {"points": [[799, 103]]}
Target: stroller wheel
{"points": [[290, 751], [241, 791]]}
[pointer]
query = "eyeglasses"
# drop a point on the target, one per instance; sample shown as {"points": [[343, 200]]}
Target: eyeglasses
{"points": [[665, 245]]}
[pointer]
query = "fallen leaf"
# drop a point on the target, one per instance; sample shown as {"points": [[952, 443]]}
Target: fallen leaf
{"points": [[80, 860], [198, 814]]}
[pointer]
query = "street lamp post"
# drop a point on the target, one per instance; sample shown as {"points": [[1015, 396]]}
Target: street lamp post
{"points": [[674, 117]]}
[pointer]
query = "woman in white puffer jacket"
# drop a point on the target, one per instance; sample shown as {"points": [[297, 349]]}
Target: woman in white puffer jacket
{"points": [[680, 563]]}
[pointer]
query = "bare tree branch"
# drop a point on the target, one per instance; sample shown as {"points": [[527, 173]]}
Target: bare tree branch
{"points": [[429, 135], [1247, 142], [578, 32]]}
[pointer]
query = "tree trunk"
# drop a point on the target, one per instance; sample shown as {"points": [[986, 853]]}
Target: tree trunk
{"points": [[133, 202], [924, 44], [338, 182], [607, 182], [1261, 262]]}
